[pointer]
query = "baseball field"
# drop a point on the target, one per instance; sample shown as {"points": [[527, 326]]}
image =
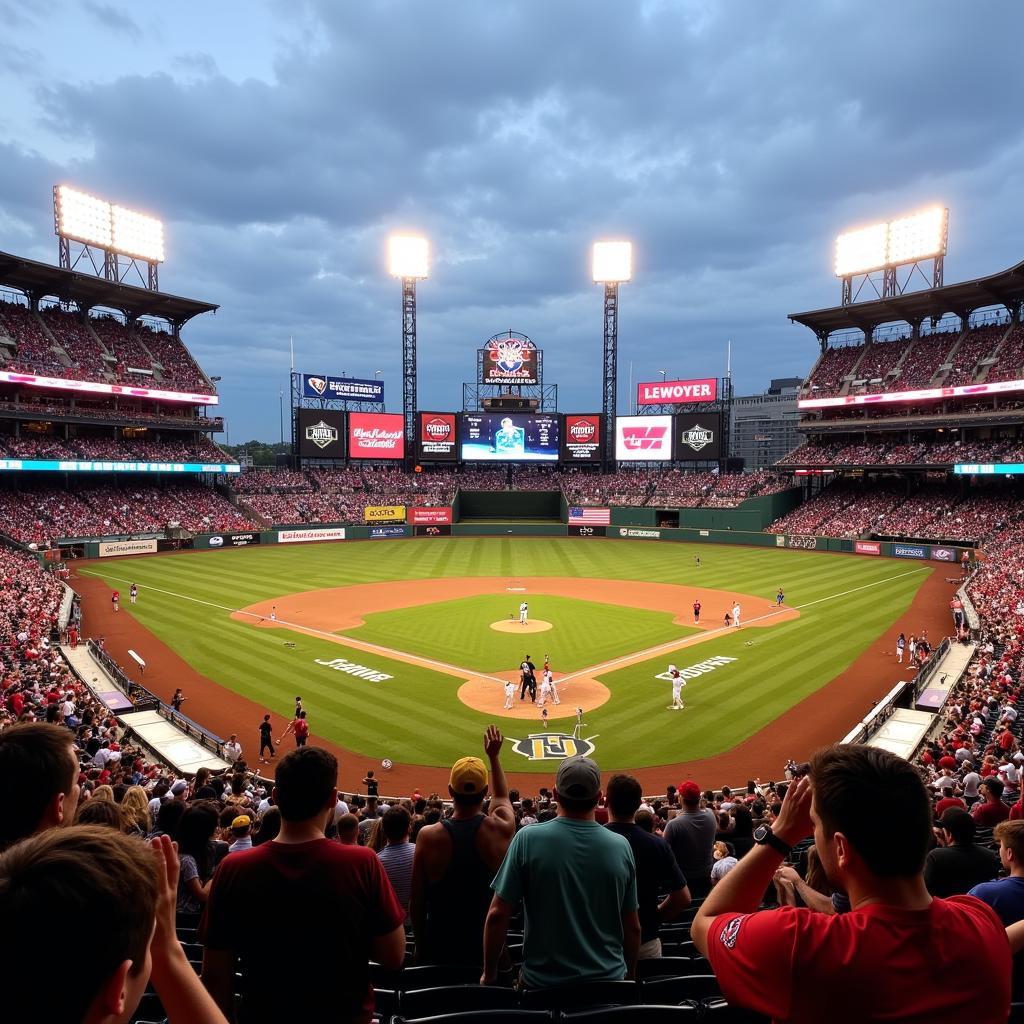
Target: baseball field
{"points": [[400, 649]]}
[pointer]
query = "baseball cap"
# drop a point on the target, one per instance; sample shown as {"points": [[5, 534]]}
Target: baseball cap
{"points": [[689, 791], [242, 821], [178, 788], [469, 776], [578, 778]]}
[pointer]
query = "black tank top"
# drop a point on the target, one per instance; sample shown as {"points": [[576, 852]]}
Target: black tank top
{"points": [[458, 901]]}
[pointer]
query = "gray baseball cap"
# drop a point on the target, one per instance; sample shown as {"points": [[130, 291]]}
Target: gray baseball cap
{"points": [[578, 778]]}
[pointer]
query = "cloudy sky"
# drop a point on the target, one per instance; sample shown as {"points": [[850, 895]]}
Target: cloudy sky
{"points": [[282, 142]]}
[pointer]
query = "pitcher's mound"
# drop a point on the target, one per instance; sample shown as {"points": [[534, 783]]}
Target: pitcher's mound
{"points": [[515, 626]]}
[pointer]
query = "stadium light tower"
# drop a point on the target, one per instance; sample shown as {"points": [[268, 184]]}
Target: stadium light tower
{"points": [[407, 260], [612, 264]]}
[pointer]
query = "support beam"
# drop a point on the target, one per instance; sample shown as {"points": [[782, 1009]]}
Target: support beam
{"points": [[409, 367], [611, 366]]}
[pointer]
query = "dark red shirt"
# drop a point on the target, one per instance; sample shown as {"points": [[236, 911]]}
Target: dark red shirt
{"points": [[319, 905]]}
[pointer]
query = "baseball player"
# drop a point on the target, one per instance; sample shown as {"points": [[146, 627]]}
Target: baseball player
{"points": [[901, 646], [510, 693], [273, 613], [544, 716], [115, 600], [678, 682], [736, 615], [523, 612], [549, 681], [545, 689], [696, 613], [780, 597], [133, 592], [528, 679]]}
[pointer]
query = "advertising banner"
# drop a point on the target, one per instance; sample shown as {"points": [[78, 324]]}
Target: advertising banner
{"points": [[89, 466], [429, 515], [432, 531], [586, 531], [677, 392], [581, 438], [126, 547], [643, 438], [867, 547], [320, 433], [91, 387], [508, 437], [384, 514], [437, 440], [698, 437], [315, 533], [344, 389], [233, 540], [386, 532], [376, 435], [909, 551], [802, 542], [944, 554], [638, 534], [510, 359]]}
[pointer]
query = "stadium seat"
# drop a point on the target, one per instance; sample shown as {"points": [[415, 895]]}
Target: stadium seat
{"points": [[663, 967], [721, 1012], [437, 975], [637, 1014], [426, 1002], [588, 994], [485, 1017], [666, 991]]}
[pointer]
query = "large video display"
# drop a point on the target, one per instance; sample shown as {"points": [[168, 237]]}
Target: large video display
{"points": [[581, 437], [321, 433], [698, 437], [376, 435], [437, 439], [643, 438], [508, 437]]}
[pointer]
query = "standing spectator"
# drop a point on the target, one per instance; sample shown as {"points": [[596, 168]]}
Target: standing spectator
{"points": [[38, 780], [1006, 895], [782, 962], [195, 835], [232, 749], [397, 855], [577, 881], [957, 864], [656, 869], [342, 901], [990, 809], [692, 837], [178, 699], [241, 827], [456, 859]]}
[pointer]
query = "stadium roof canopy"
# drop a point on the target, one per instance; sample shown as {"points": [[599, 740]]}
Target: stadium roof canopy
{"points": [[1003, 289], [39, 280]]}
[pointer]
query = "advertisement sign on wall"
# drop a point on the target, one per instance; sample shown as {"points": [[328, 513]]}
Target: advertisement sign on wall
{"points": [[581, 438], [629, 532], [384, 514], [386, 532], [346, 389], [437, 437], [698, 437], [376, 435], [643, 438], [586, 531], [909, 551], [320, 433], [126, 547], [90, 466], [944, 554], [432, 531], [428, 515], [508, 437], [867, 547], [677, 392], [233, 540], [316, 533]]}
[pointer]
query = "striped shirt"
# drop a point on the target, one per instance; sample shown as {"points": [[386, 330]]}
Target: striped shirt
{"points": [[397, 864]]}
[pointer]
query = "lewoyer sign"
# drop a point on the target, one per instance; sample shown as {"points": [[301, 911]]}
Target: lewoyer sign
{"points": [[374, 435], [429, 515], [677, 392]]}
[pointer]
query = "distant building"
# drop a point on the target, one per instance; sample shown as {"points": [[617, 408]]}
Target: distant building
{"points": [[763, 427]]}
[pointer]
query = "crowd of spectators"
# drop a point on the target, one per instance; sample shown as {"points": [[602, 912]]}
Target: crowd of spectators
{"points": [[172, 448], [119, 410], [888, 450], [1009, 364], [58, 342]]}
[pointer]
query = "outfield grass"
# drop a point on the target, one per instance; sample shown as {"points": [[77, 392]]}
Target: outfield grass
{"points": [[459, 632], [416, 717]]}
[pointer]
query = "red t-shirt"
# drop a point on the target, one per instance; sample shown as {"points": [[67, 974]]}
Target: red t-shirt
{"points": [[946, 802], [321, 903], [300, 727], [947, 762], [988, 815], [949, 962]]}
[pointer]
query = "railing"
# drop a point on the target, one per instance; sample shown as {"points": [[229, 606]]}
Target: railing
{"points": [[921, 680]]}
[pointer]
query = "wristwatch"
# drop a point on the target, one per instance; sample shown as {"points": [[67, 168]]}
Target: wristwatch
{"points": [[764, 836]]}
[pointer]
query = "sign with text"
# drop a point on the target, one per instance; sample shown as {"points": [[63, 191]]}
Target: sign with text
{"points": [[373, 435], [643, 438], [320, 433], [867, 547], [314, 534], [432, 531], [909, 551], [586, 531], [427, 515], [341, 389], [437, 439], [108, 549], [508, 437], [386, 532], [677, 392], [384, 514], [509, 358], [698, 437], [581, 438]]}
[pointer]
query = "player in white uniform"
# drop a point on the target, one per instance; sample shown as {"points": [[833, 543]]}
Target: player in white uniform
{"points": [[523, 609], [545, 689], [510, 692], [678, 682], [736, 615], [549, 681]]}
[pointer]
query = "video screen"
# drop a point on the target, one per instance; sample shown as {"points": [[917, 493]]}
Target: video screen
{"points": [[508, 437]]}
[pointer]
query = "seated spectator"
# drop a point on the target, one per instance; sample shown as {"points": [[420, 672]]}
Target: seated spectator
{"points": [[957, 863], [724, 862], [1006, 895], [577, 881], [782, 962], [990, 809], [100, 812], [198, 857], [241, 837], [342, 909]]}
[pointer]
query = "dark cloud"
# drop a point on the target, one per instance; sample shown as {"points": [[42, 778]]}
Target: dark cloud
{"points": [[108, 16]]}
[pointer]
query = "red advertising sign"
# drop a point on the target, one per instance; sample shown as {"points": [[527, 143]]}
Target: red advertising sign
{"points": [[373, 435], [677, 392], [437, 438], [581, 438], [920, 395], [867, 547], [429, 515]]}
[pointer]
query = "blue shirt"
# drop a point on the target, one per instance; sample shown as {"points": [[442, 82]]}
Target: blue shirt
{"points": [[397, 863], [1005, 896]]}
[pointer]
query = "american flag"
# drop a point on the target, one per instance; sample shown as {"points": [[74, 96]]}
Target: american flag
{"points": [[590, 516]]}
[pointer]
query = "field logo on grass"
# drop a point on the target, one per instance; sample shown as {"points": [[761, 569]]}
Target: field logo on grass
{"points": [[552, 746], [692, 671], [353, 669]]}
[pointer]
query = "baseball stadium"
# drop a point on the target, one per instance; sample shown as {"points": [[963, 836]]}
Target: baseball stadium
{"points": [[619, 589]]}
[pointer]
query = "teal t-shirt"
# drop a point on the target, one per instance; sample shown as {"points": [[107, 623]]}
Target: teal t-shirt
{"points": [[576, 879]]}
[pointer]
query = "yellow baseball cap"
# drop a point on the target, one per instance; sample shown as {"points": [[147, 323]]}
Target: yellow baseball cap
{"points": [[469, 777]]}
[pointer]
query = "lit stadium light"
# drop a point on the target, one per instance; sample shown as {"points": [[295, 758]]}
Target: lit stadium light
{"points": [[135, 234], [862, 250], [920, 236], [407, 256], [83, 217], [612, 261]]}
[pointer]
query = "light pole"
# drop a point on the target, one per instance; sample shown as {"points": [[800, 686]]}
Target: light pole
{"points": [[612, 264], [663, 373], [376, 376], [280, 407], [407, 260]]}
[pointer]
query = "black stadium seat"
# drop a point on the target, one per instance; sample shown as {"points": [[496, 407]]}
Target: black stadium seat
{"points": [[666, 991], [485, 1017], [587, 994], [435, 975], [663, 967], [426, 1002], [635, 1015], [719, 1011]]}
